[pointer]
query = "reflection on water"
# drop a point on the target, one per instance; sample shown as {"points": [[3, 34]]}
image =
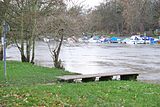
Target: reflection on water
{"points": [[101, 58]]}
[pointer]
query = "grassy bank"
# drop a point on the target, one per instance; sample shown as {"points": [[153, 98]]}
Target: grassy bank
{"points": [[27, 88], [28, 74]]}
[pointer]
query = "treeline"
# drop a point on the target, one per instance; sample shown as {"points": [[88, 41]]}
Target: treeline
{"points": [[125, 16]]}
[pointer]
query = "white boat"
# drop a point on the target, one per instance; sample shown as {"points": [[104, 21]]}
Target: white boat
{"points": [[125, 40], [93, 40], [71, 40], [136, 39]]}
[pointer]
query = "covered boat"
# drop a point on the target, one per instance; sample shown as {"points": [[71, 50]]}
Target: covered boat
{"points": [[115, 40]]}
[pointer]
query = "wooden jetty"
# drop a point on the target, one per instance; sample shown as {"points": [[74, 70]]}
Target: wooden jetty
{"points": [[101, 76]]}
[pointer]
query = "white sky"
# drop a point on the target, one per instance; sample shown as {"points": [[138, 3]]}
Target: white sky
{"points": [[87, 3]]}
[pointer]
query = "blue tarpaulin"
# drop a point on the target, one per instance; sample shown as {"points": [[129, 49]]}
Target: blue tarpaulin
{"points": [[114, 39]]}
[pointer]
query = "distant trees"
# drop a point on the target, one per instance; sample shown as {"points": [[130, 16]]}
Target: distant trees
{"points": [[125, 16], [156, 7], [139, 15], [107, 17]]}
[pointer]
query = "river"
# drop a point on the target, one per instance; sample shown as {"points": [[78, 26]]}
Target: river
{"points": [[91, 58]]}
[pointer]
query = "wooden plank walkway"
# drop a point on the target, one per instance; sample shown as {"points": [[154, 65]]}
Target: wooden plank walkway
{"points": [[101, 76]]}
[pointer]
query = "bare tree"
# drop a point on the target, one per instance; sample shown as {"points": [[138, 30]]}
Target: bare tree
{"points": [[23, 17], [65, 24], [3, 16]]}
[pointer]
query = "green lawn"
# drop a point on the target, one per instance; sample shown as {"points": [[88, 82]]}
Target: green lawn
{"points": [[28, 74], [27, 87]]}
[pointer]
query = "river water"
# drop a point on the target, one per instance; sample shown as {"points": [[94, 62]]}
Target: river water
{"points": [[91, 58]]}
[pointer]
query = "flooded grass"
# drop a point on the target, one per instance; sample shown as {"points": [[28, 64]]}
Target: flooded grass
{"points": [[29, 85]]}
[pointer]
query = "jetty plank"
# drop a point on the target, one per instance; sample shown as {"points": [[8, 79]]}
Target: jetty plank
{"points": [[101, 76]]}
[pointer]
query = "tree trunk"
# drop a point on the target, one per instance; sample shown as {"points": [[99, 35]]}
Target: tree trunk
{"points": [[118, 30], [57, 61], [34, 32], [28, 45], [23, 57], [141, 27], [33, 51]]}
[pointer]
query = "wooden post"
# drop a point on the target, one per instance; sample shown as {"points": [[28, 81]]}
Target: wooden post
{"points": [[105, 78], [88, 79], [129, 77], [69, 81]]}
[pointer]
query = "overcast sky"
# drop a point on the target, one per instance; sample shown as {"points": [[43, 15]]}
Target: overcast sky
{"points": [[88, 3], [92, 3]]}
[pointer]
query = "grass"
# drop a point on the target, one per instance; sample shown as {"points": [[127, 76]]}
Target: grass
{"points": [[28, 74], [27, 87]]}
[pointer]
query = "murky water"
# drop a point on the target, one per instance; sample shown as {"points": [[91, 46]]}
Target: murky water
{"points": [[101, 58]]}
